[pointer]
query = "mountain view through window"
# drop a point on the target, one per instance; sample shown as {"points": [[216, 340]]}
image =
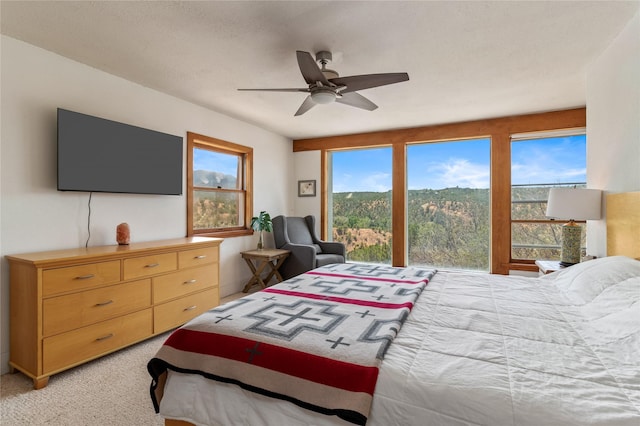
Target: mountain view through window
{"points": [[448, 200]]}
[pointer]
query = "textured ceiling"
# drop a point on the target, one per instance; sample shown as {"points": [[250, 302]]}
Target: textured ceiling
{"points": [[466, 60]]}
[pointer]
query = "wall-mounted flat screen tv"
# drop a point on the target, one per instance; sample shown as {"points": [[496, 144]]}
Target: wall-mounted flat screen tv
{"points": [[99, 155]]}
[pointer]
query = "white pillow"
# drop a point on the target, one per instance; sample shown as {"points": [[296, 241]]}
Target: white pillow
{"points": [[583, 282]]}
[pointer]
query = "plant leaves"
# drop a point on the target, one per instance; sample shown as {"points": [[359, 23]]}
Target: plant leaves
{"points": [[262, 222]]}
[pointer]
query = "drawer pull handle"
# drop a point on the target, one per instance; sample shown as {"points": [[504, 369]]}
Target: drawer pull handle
{"points": [[85, 277], [190, 308], [152, 265], [108, 302], [202, 256], [189, 282], [108, 336]]}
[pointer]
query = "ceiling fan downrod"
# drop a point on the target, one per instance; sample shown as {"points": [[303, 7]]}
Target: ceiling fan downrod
{"points": [[323, 58]]}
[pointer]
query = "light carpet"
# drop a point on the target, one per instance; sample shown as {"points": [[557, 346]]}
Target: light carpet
{"points": [[112, 390]]}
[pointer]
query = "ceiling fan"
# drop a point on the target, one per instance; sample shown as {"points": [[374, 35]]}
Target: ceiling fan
{"points": [[326, 86]]}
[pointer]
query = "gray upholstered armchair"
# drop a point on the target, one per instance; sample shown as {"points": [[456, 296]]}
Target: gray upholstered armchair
{"points": [[297, 234]]}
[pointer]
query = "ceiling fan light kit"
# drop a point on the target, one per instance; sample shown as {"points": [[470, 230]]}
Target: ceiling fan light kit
{"points": [[326, 86], [323, 96]]}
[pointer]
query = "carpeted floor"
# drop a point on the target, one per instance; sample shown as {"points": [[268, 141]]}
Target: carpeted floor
{"points": [[113, 390]]}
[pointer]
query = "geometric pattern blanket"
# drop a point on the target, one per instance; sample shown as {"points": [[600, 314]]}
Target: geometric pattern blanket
{"points": [[316, 340]]}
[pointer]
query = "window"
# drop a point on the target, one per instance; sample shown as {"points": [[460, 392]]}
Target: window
{"points": [[540, 162], [219, 187], [498, 130], [360, 197], [448, 204]]}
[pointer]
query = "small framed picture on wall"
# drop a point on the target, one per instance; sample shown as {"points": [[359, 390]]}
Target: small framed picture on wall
{"points": [[306, 188]]}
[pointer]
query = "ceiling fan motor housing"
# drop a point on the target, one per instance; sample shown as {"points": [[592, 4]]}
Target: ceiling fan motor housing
{"points": [[324, 57]]}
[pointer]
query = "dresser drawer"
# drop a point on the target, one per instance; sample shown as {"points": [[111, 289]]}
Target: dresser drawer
{"points": [[175, 313], [181, 283], [140, 267], [71, 311], [67, 349], [79, 277], [201, 256]]}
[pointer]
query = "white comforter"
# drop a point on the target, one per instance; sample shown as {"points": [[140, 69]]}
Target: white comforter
{"points": [[482, 349]]}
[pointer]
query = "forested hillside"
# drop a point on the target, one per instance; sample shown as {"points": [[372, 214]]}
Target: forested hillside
{"points": [[448, 227], [214, 210]]}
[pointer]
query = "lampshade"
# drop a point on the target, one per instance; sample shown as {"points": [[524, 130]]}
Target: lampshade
{"points": [[574, 203]]}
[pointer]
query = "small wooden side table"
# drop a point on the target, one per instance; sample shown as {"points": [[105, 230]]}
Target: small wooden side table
{"points": [[273, 258]]}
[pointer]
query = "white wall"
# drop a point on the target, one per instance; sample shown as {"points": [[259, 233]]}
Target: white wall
{"points": [[613, 124], [307, 167], [35, 216]]}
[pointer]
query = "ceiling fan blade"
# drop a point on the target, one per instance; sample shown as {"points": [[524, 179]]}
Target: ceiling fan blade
{"points": [[306, 106], [274, 90], [361, 82], [356, 100], [309, 69]]}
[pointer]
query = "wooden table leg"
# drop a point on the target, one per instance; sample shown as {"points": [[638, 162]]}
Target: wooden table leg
{"points": [[252, 279], [278, 265], [257, 272], [274, 270]]}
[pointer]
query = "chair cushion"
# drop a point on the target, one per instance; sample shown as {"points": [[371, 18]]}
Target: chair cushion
{"points": [[327, 259]]}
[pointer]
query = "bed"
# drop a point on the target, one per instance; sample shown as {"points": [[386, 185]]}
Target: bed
{"points": [[455, 349]]}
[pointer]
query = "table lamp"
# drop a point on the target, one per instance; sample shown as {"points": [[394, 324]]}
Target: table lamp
{"points": [[573, 204]]}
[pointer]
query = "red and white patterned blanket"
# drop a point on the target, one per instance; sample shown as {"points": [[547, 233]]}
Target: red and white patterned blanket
{"points": [[316, 340]]}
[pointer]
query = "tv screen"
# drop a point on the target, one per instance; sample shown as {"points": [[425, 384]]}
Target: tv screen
{"points": [[99, 155]]}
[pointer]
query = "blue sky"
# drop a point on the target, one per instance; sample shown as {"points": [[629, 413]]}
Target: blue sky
{"points": [[461, 163], [214, 161], [441, 165], [550, 160]]}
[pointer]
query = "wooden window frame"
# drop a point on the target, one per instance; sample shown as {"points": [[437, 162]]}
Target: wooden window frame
{"points": [[533, 136], [195, 140], [499, 130]]}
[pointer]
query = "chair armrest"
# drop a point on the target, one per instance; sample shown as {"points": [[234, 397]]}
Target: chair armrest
{"points": [[333, 247], [301, 259], [301, 251]]}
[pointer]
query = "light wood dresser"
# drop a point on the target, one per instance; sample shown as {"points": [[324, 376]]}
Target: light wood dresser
{"points": [[72, 306]]}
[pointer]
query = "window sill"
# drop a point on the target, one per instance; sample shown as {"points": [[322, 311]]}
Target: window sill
{"points": [[225, 234]]}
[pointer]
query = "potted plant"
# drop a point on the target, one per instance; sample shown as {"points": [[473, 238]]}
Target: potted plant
{"points": [[261, 223]]}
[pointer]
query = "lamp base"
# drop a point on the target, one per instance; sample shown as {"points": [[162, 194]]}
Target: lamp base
{"points": [[571, 236]]}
